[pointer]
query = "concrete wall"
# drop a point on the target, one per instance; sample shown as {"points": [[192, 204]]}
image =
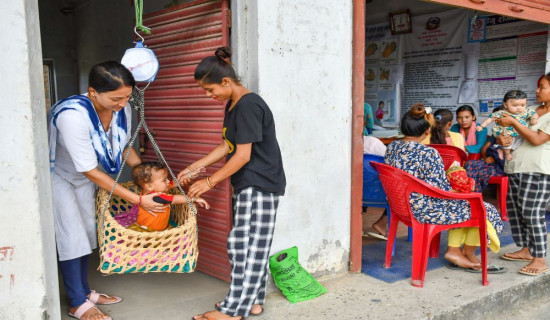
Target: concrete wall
{"points": [[104, 30], [28, 273], [59, 44], [298, 58]]}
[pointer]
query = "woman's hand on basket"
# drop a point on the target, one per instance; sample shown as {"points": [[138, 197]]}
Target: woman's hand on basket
{"points": [[187, 175], [150, 205]]}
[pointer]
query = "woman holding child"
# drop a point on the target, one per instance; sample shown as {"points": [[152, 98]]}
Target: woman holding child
{"points": [[425, 163], [88, 131], [529, 191], [255, 166]]}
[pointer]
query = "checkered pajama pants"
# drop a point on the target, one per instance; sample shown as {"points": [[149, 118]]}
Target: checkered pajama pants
{"points": [[528, 194], [248, 247]]}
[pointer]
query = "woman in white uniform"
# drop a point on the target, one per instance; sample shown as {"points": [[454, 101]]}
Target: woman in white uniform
{"points": [[87, 131]]}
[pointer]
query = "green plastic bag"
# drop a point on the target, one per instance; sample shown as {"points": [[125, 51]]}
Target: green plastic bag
{"points": [[292, 279]]}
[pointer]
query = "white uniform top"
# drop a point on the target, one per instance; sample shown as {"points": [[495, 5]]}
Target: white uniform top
{"points": [[73, 193], [373, 145]]}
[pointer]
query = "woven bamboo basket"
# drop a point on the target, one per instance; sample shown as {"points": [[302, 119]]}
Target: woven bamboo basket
{"points": [[123, 250]]}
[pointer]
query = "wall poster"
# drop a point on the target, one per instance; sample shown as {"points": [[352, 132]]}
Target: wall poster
{"points": [[512, 55], [383, 75], [433, 59]]}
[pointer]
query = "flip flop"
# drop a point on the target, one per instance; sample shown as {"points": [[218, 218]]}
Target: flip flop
{"points": [[539, 271], [85, 307], [218, 304], [94, 298], [205, 317], [377, 235], [507, 256], [491, 269]]}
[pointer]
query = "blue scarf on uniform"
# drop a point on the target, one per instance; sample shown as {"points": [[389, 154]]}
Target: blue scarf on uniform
{"points": [[109, 153]]}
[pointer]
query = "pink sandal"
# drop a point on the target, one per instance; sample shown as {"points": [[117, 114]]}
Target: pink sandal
{"points": [[94, 298], [85, 307]]}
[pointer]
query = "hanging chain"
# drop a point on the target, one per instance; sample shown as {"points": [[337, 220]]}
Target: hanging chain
{"points": [[137, 100]]}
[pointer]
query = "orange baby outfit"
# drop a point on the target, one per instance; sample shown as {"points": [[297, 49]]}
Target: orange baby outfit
{"points": [[158, 223]]}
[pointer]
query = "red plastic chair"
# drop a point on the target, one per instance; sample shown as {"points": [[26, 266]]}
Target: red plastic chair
{"points": [[449, 154], [502, 192], [399, 185], [474, 156]]}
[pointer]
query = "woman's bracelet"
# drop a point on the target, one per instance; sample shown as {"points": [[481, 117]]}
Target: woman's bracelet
{"points": [[208, 182], [190, 169], [139, 201]]}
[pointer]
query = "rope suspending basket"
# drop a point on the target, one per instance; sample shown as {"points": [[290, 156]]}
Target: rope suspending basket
{"points": [[123, 250]]}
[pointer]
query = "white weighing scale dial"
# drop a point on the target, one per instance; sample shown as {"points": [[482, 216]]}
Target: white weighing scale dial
{"points": [[141, 62]]}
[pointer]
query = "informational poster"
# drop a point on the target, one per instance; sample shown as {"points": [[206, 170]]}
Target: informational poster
{"points": [[512, 56], [433, 60], [450, 59], [383, 74]]}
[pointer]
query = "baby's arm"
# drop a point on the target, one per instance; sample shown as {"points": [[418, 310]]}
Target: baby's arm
{"points": [[201, 202], [163, 198], [485, 123], [180, 198]]}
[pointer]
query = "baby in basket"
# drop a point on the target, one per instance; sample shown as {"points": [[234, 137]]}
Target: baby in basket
{"points": [[152, 177]]}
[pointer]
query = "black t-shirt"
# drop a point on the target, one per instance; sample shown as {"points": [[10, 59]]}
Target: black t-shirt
{"points": [[251, 121]]}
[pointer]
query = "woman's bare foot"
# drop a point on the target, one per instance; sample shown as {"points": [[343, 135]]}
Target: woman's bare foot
{"points": [[470, 253], [381, 226], [215, 315], [104, 299], [90, 314], [454, 255], [521, 255], [536, 267]]}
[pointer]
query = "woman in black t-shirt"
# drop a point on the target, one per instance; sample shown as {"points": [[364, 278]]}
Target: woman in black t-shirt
{"points": [[255, 166]]}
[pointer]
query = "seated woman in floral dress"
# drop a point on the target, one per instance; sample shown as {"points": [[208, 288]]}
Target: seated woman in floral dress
{"points": [[425, 163]]}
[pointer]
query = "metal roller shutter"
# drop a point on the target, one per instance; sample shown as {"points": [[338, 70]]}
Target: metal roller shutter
{"points": [[187, 124]]}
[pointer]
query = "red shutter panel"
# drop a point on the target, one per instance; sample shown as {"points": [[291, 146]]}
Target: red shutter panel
{"points": [[534, 10], [186, 123]]}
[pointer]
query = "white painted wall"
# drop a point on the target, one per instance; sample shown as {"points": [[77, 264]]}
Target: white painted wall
{"points": [[297, 56], [28, 273]]}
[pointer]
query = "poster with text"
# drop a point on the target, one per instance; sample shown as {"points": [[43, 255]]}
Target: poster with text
{"points": [[512, 57], [433, 59], [382, 72]]}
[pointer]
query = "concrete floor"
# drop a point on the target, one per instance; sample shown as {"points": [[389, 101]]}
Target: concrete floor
{"points": [[447, 294]]}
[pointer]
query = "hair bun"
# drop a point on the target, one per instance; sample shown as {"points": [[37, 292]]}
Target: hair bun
{"points": [[224, 53], [418, 111]]}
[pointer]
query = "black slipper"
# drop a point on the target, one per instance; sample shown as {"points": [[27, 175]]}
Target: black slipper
{"points": [[490, 268]]}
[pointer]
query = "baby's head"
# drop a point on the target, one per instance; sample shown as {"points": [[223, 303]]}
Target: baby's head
{"points": [[515, 101], [151, 176]]}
